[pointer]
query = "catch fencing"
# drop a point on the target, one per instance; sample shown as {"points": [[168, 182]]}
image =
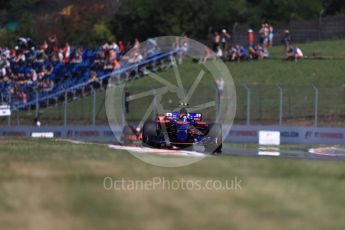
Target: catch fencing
{"points": [[323, 28], [309, 106], [291, 105]]}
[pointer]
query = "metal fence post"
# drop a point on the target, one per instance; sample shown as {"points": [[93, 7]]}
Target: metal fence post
{"points": [[37, 104], [320, 24], [217, 99], [65, 111], [9, 120], [248, 104], [93, 107], [155, 112], [9, 117], [234, 35], [280, 105], [316, 105], [18, 120]]}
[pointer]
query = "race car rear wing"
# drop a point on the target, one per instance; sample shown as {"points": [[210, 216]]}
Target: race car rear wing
{"points": [[195, 116], [192, 116]]}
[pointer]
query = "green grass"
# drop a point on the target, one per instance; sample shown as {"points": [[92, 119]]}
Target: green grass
{"points": [[326, 49], [50, 184], [263, 77], [323, 73]]}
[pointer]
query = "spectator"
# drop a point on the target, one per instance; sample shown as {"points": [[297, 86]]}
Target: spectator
{"points": [[234, 53], [94, 80], [31, 44], [219, 52], [113, 46], [220, 83], [251, 38], [44, 46], [260, 52], [121, 48], [176, 44], [52, 44], [33, 75], [105, 46], [181, 45], [136, 45], [42, 73], [47, 85], [55, 57], [4, 65], [208, 54], [66, 52], [270, 36], [112, 62], [135, 57], [243, 53], [50, 69], [93, 76], [152, 47], [78, 56], [61, 56], [266, 33], [225, 40], [41, 57], [253, 53], [25, 44], [22, 97], [294, 54], [37, 122], [20, 58], [99, 62], [216, 41], [184, 45], [287, 40]]}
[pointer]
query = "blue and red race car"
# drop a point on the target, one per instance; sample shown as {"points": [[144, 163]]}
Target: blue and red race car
{"points": [[182, 130]]}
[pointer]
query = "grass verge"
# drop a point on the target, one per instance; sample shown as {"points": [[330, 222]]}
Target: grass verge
{"points": [[49, 184]]}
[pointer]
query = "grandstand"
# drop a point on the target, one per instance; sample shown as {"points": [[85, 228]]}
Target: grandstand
{"points": [[69, 79]]}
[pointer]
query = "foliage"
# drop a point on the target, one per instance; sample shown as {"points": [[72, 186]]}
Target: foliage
{"points": [[147, 18], [7, 38], [102, 33], [197, 17]]}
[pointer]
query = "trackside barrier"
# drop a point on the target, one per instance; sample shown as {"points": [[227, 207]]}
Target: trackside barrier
{"points": [[238, 134]]}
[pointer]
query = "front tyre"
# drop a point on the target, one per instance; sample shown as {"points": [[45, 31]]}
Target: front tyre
{"points": [[149, 132]]}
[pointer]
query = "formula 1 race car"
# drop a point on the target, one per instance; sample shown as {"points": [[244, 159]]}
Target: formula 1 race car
{"points": [[182, 130]]}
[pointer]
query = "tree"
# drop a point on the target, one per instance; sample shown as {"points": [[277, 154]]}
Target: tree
{"points": [[102, 33], [156, 18]]}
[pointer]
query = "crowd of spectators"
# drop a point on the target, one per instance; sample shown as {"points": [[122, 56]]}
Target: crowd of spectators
{"points": [[255, 49], [28, 67], [225, 50]]}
